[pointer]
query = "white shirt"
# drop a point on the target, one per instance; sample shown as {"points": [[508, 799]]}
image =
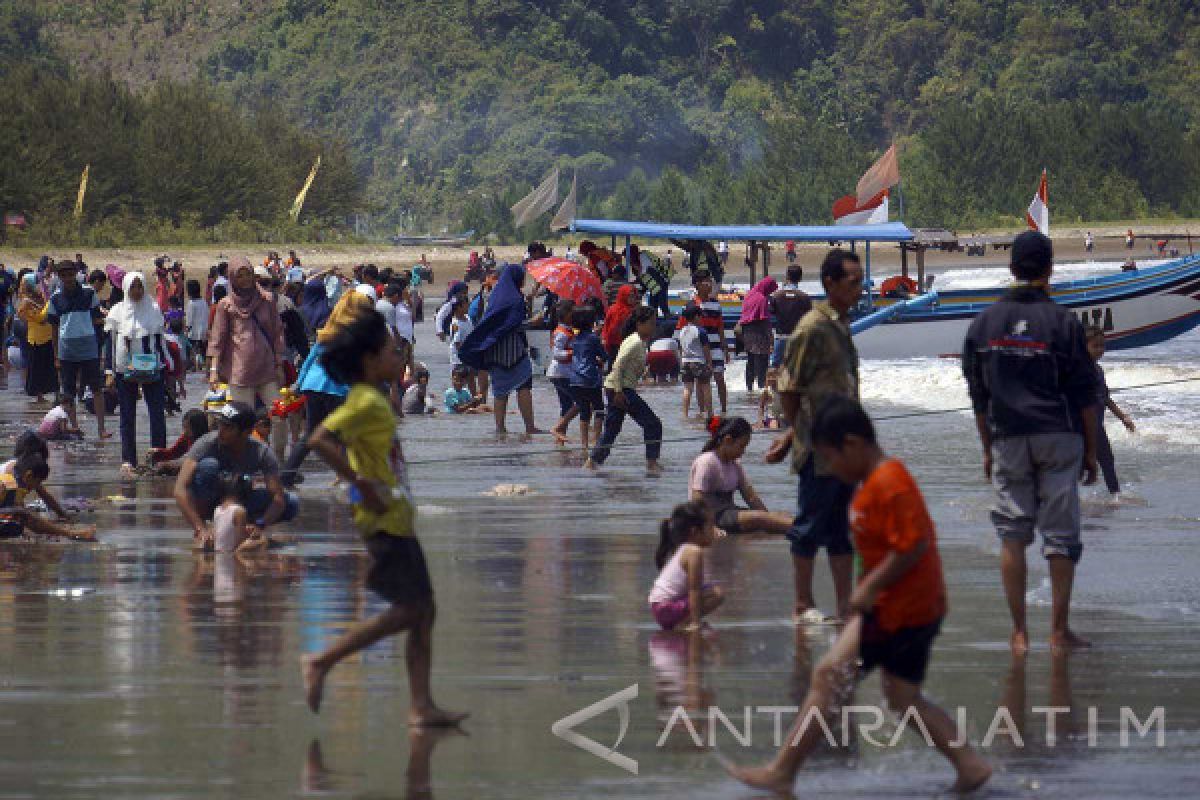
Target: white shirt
{"points": [[672, 582], [460, 329], [404, 322], [388, 310], [691, 344], [195, 319]]}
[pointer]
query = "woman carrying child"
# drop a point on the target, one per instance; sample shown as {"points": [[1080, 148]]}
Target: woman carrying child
{"points": [[717, 473], [680, 593]]}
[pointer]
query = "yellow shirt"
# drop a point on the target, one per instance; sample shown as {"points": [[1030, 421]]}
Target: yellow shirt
{"points": [[629, 365], [40, 331], [366, 425]]}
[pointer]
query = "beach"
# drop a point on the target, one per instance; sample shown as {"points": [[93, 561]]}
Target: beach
{"points": [[136, 668]]}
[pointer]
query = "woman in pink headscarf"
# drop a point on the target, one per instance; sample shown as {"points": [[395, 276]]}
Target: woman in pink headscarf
{"points": [[757, 336]]}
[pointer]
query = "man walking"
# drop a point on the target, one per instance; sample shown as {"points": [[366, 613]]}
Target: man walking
{"points": [[819, 362], [1033, 388]]}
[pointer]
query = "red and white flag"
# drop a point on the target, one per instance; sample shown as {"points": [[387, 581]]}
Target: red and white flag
{"points": [[848, 211], [1038, 215], [883, 174]]}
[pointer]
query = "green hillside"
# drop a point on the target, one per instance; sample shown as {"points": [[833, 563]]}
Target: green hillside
{"points": [[709, 110]]}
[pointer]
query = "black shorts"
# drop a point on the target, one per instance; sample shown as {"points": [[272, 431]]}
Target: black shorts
{"points": [[80, 375], [903, 653], [727, 519], [589, 400], [566, 401], [398, 572]]}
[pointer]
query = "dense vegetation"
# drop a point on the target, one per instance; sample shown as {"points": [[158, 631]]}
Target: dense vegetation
{"points": [[704, 110]]}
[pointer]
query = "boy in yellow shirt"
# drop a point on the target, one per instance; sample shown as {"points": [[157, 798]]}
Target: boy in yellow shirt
{"points": [[365, 355]]}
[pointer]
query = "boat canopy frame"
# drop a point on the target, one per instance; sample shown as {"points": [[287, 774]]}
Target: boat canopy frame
{"points": [[756, 235]]}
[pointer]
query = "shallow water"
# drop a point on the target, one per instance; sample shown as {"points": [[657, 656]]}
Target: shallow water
{"points": [[175, 675]]}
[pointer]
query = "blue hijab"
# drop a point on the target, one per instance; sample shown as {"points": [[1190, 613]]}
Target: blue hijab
{"points": [[505, 313], [314, 304]]}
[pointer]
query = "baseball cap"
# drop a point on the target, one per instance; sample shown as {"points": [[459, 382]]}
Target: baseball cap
{"points": [[237, 414], [1032, 247]]}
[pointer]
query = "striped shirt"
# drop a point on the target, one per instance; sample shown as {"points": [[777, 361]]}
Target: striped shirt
{"points": [[75, 315], [713, 323]]}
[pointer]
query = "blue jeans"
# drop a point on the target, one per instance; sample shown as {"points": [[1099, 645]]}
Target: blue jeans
{"points": [[205, 489], [778, 350], [613, 419], [823, 514], [127, 395]]}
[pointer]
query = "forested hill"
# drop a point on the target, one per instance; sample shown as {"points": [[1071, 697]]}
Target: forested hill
{"points": [[706, 110]]}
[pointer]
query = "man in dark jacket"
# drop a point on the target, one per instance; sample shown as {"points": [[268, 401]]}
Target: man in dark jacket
{"points": [[1033, 389]]}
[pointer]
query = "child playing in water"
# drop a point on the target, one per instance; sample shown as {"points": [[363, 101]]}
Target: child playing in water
{"points": [[19, 478], [416, 397], [697, 362], [620, 388], [1104, 452], [770, 405], [230, 532], [364, 355], [31, 442], [586, 376], [559, 370], [680, 593], [897, 607], [166, 460], [717, 473], [56, 425], [458, 399]]}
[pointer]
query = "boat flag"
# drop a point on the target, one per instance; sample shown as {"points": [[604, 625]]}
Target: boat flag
{"points": [[539, 201], [1038, 215], [298, 203], [83, 181], [848, 211], [566, 212], [883, 174]]}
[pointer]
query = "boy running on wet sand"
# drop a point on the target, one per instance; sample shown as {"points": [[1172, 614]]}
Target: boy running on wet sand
{"points": [[364, 355], [896, 608]]}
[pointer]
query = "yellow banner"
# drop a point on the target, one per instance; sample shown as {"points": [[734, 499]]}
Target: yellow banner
{"points": [[82, 191], [299, 203]]}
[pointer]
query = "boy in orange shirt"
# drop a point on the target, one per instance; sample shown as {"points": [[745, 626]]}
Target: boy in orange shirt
{"points": [[896, 608]]}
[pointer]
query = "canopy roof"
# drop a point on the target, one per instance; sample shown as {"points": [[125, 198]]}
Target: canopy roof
{"points": [[885, 232]]}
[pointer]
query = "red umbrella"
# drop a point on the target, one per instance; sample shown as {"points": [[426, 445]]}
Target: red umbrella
{"points": [[567, 279]]}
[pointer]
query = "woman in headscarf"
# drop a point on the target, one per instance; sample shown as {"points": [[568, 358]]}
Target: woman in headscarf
{"points": [[136, 329], [246, 347], [498, 345], [322, 394], [757, 335], [41, 377], [617, 317]]}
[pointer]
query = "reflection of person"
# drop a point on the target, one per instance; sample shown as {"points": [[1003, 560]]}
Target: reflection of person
{"points": [[897, 606], [364, 356], [1033, 388]]}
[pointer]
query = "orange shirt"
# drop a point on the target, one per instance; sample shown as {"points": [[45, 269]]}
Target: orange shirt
{"points": [[888, 514]]}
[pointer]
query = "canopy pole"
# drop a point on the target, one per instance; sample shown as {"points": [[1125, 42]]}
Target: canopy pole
{"points": [[766, 259], [921, 267], [904, 261], [867, 272], [612, 245], [628, 261]]}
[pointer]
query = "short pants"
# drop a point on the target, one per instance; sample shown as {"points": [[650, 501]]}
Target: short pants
{"points": [[1036, 479], [80, 375], [696, 372], [589, 400], [670, 613], [822, 515], [727, 519], [566, 401], [398, 572], [903, 653]]}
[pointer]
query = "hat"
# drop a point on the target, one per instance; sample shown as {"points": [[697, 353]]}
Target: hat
{"points": [[240, 415], [261, 272], [367, 289], [1032, 248]]}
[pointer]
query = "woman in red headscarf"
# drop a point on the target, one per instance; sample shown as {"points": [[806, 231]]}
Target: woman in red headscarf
{"points": [[618, 314], [757, 336]]}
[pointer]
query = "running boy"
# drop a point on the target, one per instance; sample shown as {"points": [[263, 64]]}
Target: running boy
{"points": [[364, 355], [896, 608], [1104, 452], [713, 323]]}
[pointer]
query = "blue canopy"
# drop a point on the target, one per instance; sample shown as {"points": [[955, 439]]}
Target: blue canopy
{"points": [[885, 232]]}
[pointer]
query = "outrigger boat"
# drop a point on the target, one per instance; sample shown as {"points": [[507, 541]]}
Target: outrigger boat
{"points": [[1136, 308]]}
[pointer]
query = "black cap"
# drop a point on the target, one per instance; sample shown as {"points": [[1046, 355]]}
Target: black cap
{"points": [[1033, 252], [237, 414]]}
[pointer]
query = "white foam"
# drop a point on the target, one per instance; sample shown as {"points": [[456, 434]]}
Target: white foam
{"points": [[988, 277]]}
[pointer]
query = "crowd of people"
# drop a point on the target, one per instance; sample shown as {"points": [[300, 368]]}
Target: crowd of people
{"points": [[277, 343]]}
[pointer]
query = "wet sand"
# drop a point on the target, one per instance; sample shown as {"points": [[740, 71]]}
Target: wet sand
{"points": [[176, 674]]}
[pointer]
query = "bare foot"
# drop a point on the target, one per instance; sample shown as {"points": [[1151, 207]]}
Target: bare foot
{"points": [[434, 717], [761, 778], [104, 435], [128, 472], [314, 681], [533, 431], [589, 464], [972, 775], [1068, 640], [560, 439], [1019, 643], [83, 533], [653, 468]]}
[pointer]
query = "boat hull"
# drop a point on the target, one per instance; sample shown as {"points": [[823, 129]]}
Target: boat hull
{"points": [[1136, 309]]}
